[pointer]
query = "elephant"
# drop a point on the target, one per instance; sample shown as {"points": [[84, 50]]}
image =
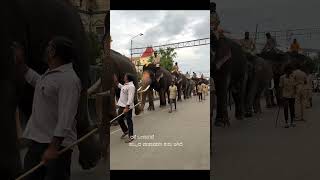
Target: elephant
{"points": [[190, 86], [259, 77], [229, 72], [120, 65], [181, 83], [157, 78], [33, 24]]}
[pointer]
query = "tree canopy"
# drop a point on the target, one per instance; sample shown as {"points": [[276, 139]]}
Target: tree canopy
{"points": [[167, 57]]}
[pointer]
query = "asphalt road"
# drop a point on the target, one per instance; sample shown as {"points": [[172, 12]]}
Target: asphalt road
{"points": [[254, 149], [187, 129]]}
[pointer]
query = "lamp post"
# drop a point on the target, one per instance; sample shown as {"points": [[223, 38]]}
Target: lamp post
{"points": [[140, 34]]}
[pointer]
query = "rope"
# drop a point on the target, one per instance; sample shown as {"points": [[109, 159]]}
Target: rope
{"points": [[67, 148]]}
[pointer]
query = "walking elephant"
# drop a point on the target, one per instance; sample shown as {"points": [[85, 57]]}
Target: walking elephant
{"points": [[189, 87], [259, 77], [229, 71], [157, 78], [33, 24], [181, 83]]}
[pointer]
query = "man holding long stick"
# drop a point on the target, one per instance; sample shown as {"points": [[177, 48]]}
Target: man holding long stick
{"points": [[126, 104], [52, 125]]}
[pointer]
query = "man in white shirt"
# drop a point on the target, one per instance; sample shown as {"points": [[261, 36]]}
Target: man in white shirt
{"points": [[126, 104], [173, 95], [52, 124]]}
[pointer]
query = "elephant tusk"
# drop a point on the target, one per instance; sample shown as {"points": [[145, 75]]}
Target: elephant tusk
{"points": [[139, 89], [144, 89]]}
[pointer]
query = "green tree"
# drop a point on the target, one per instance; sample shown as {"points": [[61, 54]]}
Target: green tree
{"points": [[166, 58], [95, 48], [151, 59]]}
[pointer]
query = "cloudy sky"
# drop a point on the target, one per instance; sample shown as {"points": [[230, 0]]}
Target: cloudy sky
{"points": [[240, 16], [161, 27]]}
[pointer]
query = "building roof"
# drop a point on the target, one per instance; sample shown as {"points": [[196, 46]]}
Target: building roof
{"points": [[148, 52]]}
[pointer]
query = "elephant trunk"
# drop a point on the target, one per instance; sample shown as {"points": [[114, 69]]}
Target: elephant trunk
{"points": [[146, 81]]}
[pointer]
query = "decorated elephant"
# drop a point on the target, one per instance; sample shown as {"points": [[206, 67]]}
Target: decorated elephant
{"points": [[229, 71], [157, 78], [181, 83], [33, 24]]}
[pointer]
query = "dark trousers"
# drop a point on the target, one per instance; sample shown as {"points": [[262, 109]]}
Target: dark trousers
{"points": [[200, 96], [288, 103], [128, 117], [175, 104], [55, 169]]}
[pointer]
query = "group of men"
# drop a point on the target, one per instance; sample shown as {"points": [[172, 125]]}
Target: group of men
{"points": [[296, 93], [248, 44], [202, 91]]}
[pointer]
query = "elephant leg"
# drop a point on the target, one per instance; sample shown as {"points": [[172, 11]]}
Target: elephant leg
{"points": [[179, 93], [277, 94], [222, 84], [151, 100], [267, 97], [258, 99], [143, 101], [10, 165], [251, 97], [257, 105], [236, 99], [137, 109], [162, 98]]}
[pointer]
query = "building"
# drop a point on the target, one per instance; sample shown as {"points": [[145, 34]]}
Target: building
{"points": [[144, 59], [93, 13]]}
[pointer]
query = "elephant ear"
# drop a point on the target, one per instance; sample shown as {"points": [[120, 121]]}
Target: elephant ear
{"points": [[158, 79]]}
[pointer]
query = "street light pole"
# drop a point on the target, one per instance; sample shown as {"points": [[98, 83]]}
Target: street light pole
{"points": [[131, 49], [140, 34]]}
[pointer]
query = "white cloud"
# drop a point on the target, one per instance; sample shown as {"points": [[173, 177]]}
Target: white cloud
{"points": [[160, 27]]}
